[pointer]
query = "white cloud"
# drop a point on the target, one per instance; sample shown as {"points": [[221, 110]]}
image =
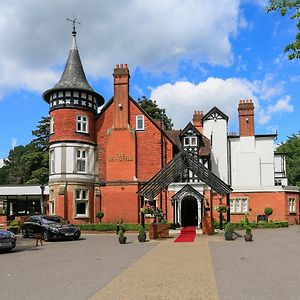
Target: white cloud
{"points": [[183, 98], [157, 35], [282, 105]]}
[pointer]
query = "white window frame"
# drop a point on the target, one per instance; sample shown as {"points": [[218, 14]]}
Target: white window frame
{"points": [[81, 196], [52, 161], [51, 125], [239, 205], [51, 203], [81, 160], [292, 205], [140, 120], [188, 141], [82, 124]]}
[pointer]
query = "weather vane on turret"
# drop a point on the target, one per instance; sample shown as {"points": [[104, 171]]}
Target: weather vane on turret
{"points": [[74, 22]]}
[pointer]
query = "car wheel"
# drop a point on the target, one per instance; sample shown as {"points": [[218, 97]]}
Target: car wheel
{"points": [[24, 234], [46, 236]]}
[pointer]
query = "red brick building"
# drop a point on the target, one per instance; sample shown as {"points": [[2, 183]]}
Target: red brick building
{"points": [[118, 159]]}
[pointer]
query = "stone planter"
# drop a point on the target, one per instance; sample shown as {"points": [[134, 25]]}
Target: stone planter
{"points": [[158, 231], [122, 239], [142, 237], [248, 237]]}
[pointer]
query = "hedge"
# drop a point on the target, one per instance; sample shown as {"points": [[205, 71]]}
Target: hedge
{"points": [[110, 227], [271, 224]]}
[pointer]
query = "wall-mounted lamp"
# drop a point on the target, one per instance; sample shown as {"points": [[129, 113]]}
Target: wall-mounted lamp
{"points": [[120, 105]]}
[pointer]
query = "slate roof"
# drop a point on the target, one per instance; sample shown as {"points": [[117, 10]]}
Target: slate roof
{"points": [[73, 76]]}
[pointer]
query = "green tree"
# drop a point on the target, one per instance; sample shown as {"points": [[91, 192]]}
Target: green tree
{"points": [[155, 112], [291, 148], [29, 164], [291, 8]]}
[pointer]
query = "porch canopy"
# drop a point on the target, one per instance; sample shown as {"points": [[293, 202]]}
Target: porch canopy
{"points": [[182, 161]]}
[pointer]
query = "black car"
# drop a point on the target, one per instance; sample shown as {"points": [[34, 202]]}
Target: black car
{"points": [[7, 240], [51, 228]]}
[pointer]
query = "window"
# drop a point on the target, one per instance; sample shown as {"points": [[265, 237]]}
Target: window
{"points": [[76, 94], [3, 207], [292, 205], [51, 203], [51, 125], [278, 182], [68, 93], [190, 141], [82, 124], [239, 205], [81, 161], [60, 94], [139, 122], [81, 203], [52, 161]]}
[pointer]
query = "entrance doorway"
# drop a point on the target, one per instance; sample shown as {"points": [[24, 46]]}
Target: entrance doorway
{"points": [[189, 212]]}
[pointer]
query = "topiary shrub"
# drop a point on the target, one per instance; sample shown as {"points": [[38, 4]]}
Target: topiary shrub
{"points": [[268, 211], [99, 215]]}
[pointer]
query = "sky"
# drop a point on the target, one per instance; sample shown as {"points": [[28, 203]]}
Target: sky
{"points": [[186, 55]]}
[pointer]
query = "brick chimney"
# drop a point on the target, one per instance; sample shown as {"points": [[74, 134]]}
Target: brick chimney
{"points": [[246, 117], [121, 96], [197, 120]]}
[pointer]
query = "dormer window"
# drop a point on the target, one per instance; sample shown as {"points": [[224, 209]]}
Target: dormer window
{"points": [[190, 141]]}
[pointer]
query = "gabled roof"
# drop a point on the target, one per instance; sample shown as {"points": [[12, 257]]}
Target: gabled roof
{"points": [[189, 126], [187, 190], [106, 106], [215, 113]]}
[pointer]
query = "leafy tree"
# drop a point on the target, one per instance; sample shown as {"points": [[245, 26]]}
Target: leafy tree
{"points": [[29, 164], [292, 8], [291, 148], [155, 112], [42, 134]]}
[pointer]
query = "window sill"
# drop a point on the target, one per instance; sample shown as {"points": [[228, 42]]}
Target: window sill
{"points": [[81, 132], [239, 213], [140, 130], [292, 213]]}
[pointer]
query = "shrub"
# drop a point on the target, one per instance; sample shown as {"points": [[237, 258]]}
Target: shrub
{"points": [[248, 230], [268, 211], [229, 227], [121, 233], [99, 215], [110, 227]]}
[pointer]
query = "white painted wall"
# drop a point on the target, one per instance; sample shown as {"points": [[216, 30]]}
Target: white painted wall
{"points": [[219, 158], [252, 161], [65, 161]]}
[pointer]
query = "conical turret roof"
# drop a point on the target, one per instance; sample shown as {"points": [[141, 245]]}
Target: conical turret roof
{"points": [[73, 77]]}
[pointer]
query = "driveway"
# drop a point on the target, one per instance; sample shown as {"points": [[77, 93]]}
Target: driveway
{"points": [[266, 268], [67, 269]]}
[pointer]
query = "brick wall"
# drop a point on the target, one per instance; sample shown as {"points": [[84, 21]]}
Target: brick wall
{"points": [[65, 125]]}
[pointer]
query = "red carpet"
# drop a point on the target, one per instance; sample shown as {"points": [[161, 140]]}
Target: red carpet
{"points": [[187, 234]]}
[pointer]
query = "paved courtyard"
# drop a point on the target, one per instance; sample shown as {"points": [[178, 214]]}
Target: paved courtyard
{"points": [[98, 267]]}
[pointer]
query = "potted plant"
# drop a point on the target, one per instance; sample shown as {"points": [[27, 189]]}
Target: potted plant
{"points": [[228, 232], [99, 215], [248, 234], [121, 233], [221, 208], [268, 211], [122, 237], [142, 234], [14, 226]]}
